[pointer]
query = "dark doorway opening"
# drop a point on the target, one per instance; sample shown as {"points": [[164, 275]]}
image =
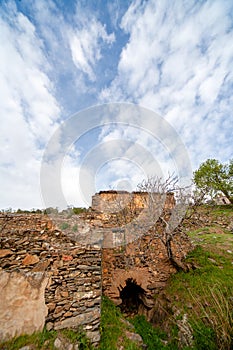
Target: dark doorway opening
{"points": [[132, 296]]}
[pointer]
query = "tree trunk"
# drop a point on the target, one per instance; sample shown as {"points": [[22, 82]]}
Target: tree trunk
{"points": [[228, 196], [179, 266]]}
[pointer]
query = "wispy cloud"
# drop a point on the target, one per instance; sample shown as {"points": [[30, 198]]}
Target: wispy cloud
{"points": [[85, 43], [57, 58], [178, 62], [29, 110]]}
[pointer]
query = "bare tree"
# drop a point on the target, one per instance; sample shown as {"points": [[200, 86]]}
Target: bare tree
{"points": [[165, 206], [165, 209]]}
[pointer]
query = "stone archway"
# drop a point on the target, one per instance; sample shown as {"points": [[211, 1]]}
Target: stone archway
{"points": [[132, 296], [115, 278]]}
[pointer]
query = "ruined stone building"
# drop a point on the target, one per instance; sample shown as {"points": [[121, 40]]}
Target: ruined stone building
{"points": [[63, 264], [140, 257]]}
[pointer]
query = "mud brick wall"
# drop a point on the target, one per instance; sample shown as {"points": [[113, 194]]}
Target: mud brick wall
{"points": [[31, 243]]}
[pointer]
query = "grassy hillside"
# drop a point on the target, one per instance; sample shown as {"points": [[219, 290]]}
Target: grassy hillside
{"points": [[196, 308]]}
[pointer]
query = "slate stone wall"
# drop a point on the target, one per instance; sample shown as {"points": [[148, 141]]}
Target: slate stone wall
{"points": [[30, 243]]}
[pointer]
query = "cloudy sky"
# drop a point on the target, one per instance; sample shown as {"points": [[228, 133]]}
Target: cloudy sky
{"points": [[59, 58]]}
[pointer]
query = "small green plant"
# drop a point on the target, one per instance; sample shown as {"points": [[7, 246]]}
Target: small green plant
{"points": [[75, 228], [64, 226], [78, 211]]}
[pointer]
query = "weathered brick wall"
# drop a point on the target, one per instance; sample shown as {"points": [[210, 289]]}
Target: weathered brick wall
{"points": [[30, 243]]}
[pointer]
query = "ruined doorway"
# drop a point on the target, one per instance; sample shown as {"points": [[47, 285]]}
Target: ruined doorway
{"points": [[132, 296]]}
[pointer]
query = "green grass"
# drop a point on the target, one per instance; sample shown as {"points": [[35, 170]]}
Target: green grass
{"points": [[204, 336], [45, 340], [113, 328], [213, 238], [151, 336], [212, 269], [218, 210], [205, 295], [40, 340]]}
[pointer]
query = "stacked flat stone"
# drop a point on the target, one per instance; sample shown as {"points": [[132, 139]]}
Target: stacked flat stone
{"points": [[31, 243]]}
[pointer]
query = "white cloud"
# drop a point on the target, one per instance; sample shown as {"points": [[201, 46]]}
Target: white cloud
{"points": [[120, 174], [29, 110], [70, 183], [86, 42], [178, 61], [141, 151]]}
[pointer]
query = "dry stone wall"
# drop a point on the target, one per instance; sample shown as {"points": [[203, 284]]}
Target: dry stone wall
{"points": [[30, 244]]}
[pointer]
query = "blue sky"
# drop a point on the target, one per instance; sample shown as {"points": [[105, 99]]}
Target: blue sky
{"points": [[59, 57]]}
